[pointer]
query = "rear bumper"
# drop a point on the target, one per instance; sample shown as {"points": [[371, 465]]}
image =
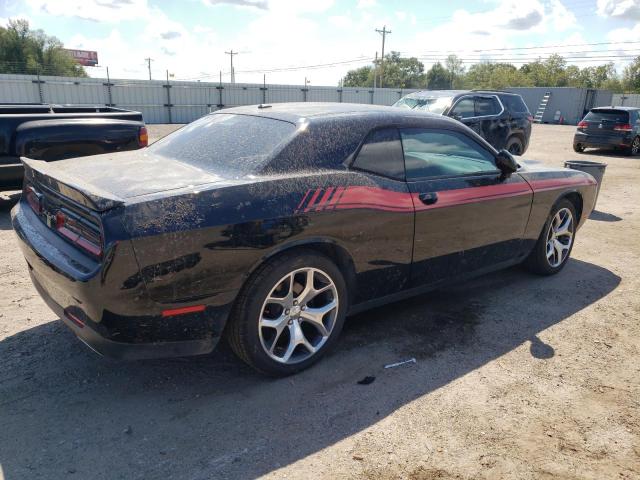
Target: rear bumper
{"points": [[120, 350], [588, 140], [117, 322]]}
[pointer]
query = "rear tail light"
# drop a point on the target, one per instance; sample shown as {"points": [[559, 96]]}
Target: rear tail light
{"points": [[623, 127], [34, 199], [76, 231], [143, 137], [582, 125]]}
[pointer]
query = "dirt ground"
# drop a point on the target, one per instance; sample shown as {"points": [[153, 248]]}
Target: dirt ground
{"points": [[517, 377]]}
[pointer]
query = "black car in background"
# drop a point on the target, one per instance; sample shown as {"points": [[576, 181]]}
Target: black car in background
{"points": [[269, 224], [609, 127], [501, 118], [54, 132]]}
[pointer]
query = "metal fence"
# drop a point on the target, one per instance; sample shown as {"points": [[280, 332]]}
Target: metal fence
{"points": [[176, 101]]}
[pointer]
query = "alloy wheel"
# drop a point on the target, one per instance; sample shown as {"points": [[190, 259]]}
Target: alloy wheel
{"points": [[635, 146], [560, 237], [515, 148], [298, 315]]}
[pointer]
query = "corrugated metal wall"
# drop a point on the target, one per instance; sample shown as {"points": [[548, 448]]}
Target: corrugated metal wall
{"points": [[626, 99], [572, 103], [176, 102]]}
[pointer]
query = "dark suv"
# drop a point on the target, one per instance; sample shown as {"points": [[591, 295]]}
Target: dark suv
{"points": [[609, 127], [501, 118]]}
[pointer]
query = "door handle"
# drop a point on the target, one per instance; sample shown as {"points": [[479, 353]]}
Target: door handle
{"points": [[428, 198]]}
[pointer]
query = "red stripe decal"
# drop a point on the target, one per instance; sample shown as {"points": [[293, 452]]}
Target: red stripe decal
{"points": [[325, 197], [303, 199], [313, 199], [554, 183], [448, 198]]}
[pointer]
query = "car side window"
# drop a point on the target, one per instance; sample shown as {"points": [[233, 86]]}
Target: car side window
{"points": [[487, 106], [381, 153], [438, 153], [465, 108]]}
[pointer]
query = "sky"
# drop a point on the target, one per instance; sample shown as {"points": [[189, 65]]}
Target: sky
{"points": [[320, 40]]}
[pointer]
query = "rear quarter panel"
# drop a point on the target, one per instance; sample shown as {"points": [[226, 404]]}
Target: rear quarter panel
{"points": [[206, 244]]}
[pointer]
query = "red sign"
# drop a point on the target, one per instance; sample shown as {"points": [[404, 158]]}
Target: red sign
{"points": [[87, 58]]}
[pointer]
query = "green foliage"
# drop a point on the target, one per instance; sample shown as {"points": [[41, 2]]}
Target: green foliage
{"points": [[438, 78], [397, 72], [27, 51], [551, 72]]}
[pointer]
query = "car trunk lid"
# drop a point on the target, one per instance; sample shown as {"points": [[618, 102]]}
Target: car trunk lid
{"points": [[606, 122]]}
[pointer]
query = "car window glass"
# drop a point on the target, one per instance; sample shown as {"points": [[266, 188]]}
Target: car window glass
{"points": [[381, 153], [486, 106], [465, 108], [514, 104], [224, 143], [616, 116], [436, 153]]}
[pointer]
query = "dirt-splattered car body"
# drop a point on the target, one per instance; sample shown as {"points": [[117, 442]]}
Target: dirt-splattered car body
{"points": [[146, 259]]}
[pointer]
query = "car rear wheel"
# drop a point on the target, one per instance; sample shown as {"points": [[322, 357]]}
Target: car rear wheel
{"points": [[289, 313], [634, 149], [578, 148], [515, 146], [555, 243]]}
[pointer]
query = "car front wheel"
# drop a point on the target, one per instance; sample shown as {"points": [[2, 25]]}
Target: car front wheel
{"points": [[289, 314], [555, 243], [514, 146]]}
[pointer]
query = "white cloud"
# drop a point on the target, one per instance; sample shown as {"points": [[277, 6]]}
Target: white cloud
{"points": [[261, 4], [401, 15], [629, 9], [341, 21], [96, 10], [366, 3]]}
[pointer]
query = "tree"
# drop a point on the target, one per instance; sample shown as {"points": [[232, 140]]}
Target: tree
{"points": [[26, 51], [361, 77], [398, 73], [437, 77], [455, 69], [631, 77]]}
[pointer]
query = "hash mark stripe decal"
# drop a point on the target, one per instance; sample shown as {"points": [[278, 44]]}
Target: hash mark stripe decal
{"points": [[313, 199], [325, 198], [303, 199]]}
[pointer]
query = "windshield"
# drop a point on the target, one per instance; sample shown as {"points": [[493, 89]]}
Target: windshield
{"points": [[432, 105], [224, 143]]}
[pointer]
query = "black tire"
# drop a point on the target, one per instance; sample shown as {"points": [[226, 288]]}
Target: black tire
{"points": [[515, 146], [243, 331], [537, 261], [578, 148], [634, 149]]}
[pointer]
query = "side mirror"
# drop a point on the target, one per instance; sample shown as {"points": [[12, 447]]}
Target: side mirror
{"points": [[506, 163]]}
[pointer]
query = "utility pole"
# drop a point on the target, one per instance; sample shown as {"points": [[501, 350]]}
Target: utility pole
{"points": [[384, 33], [375, 70], [149, 60], [233, 74]]}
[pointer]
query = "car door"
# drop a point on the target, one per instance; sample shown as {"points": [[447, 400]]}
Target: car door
{"points": [[484, 115], [468, 216]]}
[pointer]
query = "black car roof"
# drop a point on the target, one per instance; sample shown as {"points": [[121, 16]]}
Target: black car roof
{"points": [[295, 112]]}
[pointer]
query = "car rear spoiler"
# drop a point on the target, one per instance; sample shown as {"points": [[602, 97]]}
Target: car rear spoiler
{"points": [[48, 175]]}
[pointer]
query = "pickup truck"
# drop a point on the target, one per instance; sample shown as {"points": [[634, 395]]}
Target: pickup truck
{"points": [[56, 132]]}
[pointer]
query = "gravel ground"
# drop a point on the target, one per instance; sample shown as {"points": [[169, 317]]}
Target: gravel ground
{"points": [[517, 377]]}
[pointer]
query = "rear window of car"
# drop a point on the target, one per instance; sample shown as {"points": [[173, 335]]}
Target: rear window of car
{"points": [[514, 103], [609, 115], [225, 143]]}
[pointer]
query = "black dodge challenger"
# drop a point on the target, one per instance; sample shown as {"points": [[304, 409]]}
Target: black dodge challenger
{"points": [[270, 224]]}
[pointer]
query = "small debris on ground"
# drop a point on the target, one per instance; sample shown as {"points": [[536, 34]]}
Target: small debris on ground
{"points": [[393, 365]]}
